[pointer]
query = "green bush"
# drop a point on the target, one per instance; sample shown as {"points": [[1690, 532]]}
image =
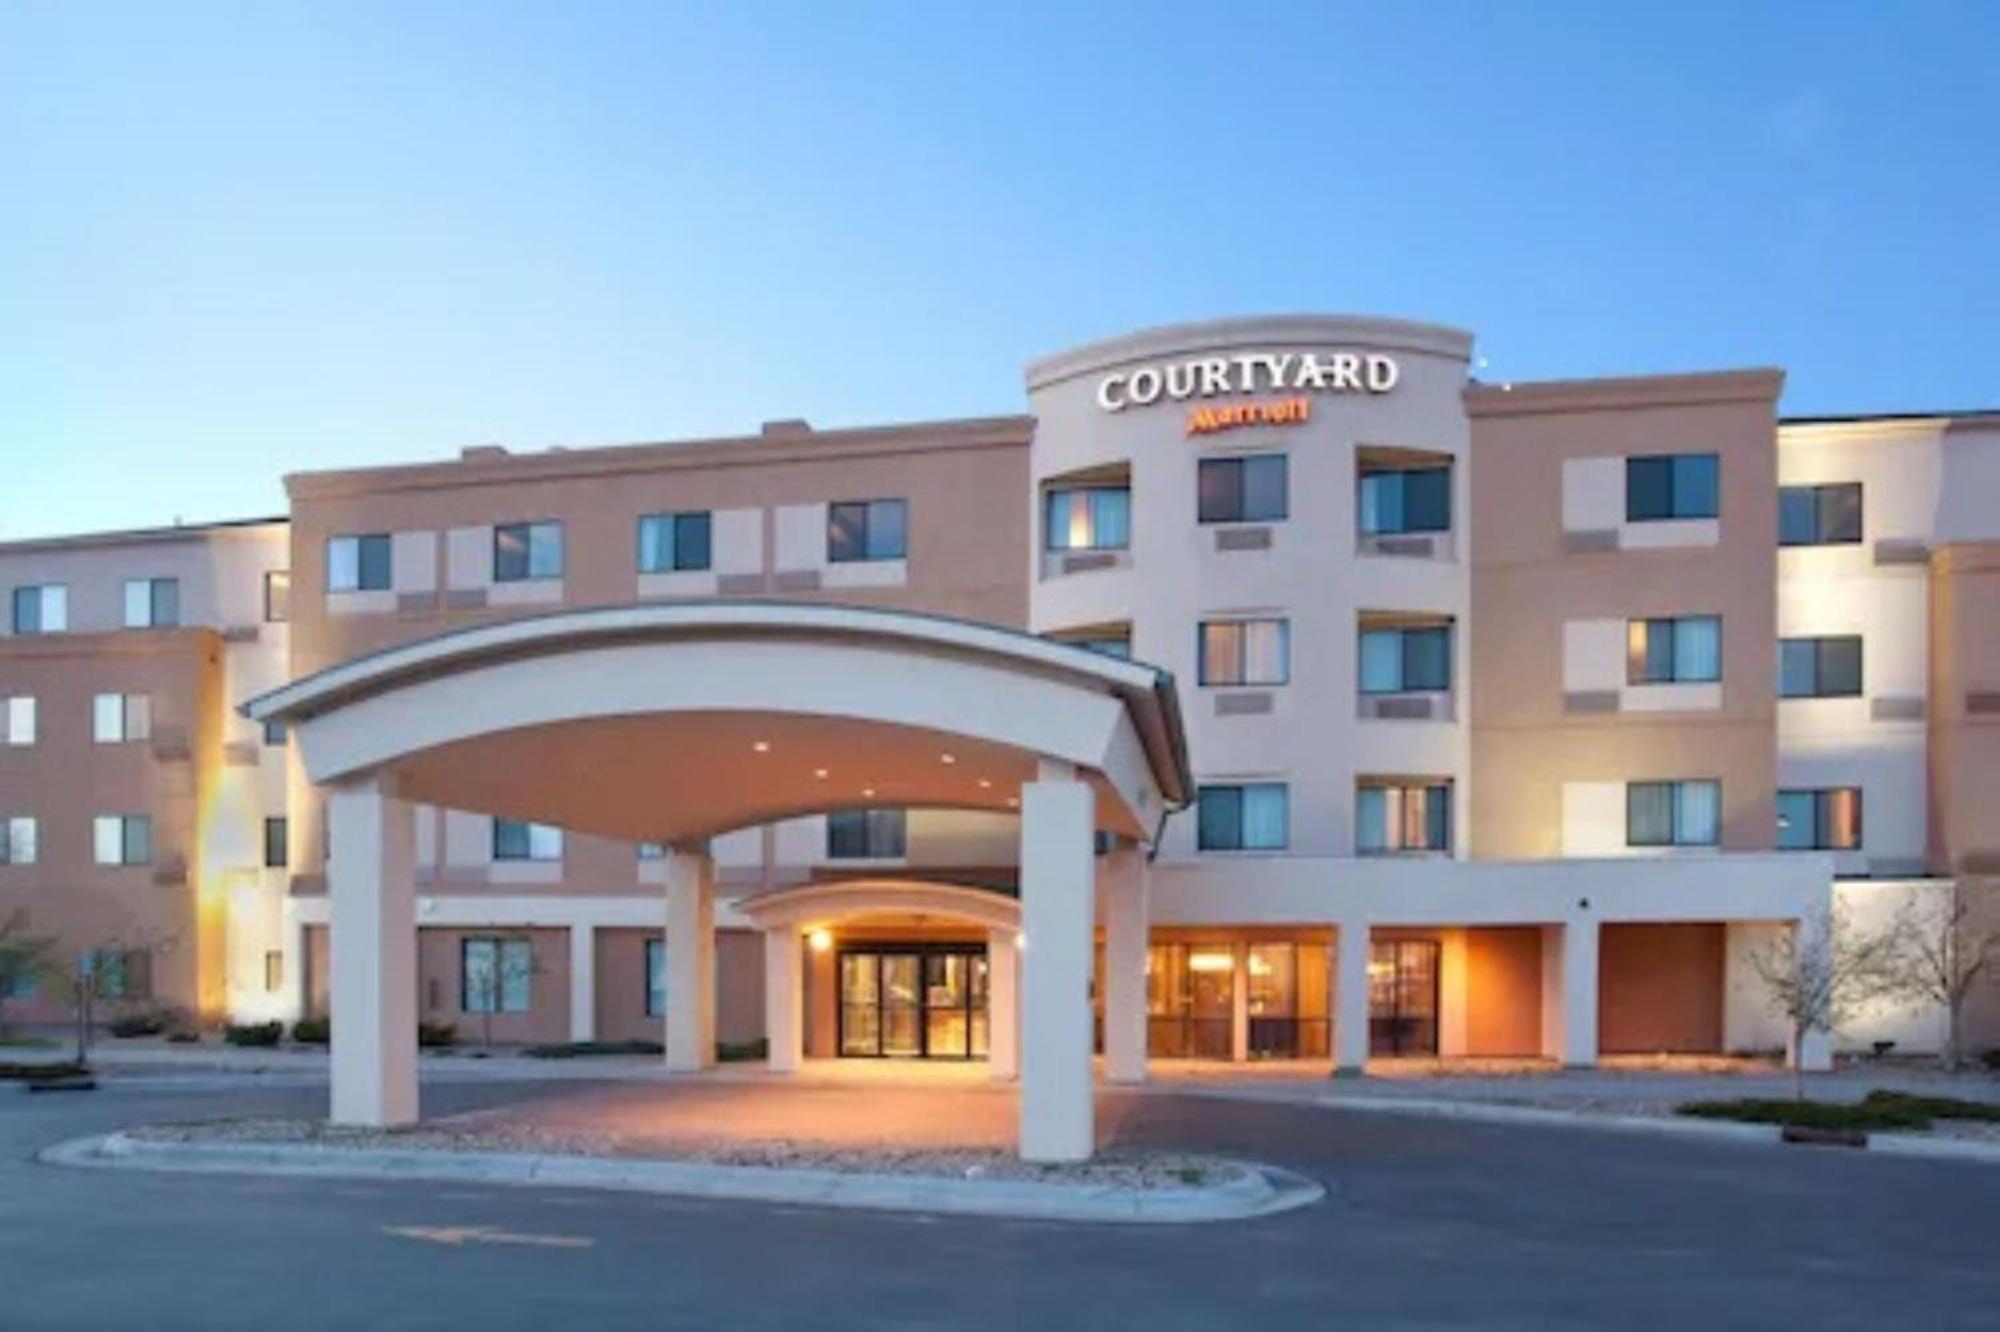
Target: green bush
{"points": [[19, 1072], [254, 1033], [436, 1035], [574, 1049], [140, 1022], [313, 1030], [1809, 1114], [1935, 1107], [1991, 1058], [737, 1052], [184, 1037]]}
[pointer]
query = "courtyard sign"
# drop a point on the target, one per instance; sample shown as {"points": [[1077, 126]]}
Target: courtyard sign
{"points": [[1251, 372]]}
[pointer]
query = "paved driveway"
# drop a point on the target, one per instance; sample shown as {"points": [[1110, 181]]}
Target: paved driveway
{"points": [[1430, 1224]]}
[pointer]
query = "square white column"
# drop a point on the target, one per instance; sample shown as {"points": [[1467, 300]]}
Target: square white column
{"points": [[1350, 999], [582, 982], [1575, 994], [1057, 822], [1127, 910], [371, 886], [690, 1041], [784, 1026], [1003, 1006]]}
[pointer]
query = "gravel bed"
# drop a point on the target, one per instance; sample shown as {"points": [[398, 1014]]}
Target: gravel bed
{"points": [[1109, 1168]]}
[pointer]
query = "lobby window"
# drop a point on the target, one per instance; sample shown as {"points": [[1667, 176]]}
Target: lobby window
{"points": [[358, 563], [1828, 515], [277, 596], [656, 977], [20, 840], [1828, 819], [858, 530], [1673, 813], [275, 853], [1252, 816], [1393, 503], [41, 609], [119, 973], [117, 718], [675, 542], [1092, 518], [516, 840], [1819, 667], [1245, 652], [122, 839], [1242, 490], [525, 552], [495, 975], [1685, 650], [1396, 817], [1406, 661], [866, 834], [1668, 486], [152, 603], [17, 720]]}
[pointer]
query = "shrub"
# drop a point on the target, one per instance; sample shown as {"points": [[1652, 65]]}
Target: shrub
{"points": [[184, 1036], [736, 1052], [18, 1072], [140, 1022], [436, 1035], [1934, 1107], [1809, 1114], [253, 1033], [574, 1049], [1991, 1058], [313, 1030]]}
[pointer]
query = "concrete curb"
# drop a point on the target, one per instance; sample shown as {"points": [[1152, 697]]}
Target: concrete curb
{"points": [[1260, 1191]]}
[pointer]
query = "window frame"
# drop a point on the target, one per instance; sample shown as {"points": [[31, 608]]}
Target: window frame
{"points": [[1437, 797], [655, 949], [500, 946], [11, 840], [160, 600], [874, 823], [1242, 792], [533, 535], [1822, 800], [534, 849], [1241, 626], [673, 521], [1639, 657], [1675, 464], [366, 571], [20, 721], [1820, 645], [866, 552], [132, 829], [42, 596], [1089, 495], [277, 853], [1381, 476], [1403, 634], [1816, 494], [277, 596], [1677, 837], [1238, 467]]}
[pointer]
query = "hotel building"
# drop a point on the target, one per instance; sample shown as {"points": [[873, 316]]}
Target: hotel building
{"points": [[1549, 701]]}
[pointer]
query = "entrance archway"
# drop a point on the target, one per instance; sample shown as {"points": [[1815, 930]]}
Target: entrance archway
{"points": [[676, 723]]}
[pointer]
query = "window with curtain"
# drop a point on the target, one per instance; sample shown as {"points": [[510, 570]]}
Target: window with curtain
{"points": [[1406, 501], [1245, 652], [858, 530], [1826, 515], [1088, 518], [1668, 486], [1242, 490], [1682, 813], [1819, 667], [1398, 817], [1826, 819], [675, 542], [1404, 661], [1683, 650], [1242, 817]]}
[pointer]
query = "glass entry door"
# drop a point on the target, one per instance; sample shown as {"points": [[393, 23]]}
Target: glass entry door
{"points": [[924, 1001], [1403, 997]]}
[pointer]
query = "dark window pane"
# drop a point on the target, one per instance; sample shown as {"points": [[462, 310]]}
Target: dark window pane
{"points": [[1219, 818], [166, 602], [510, 840], [1437, 819], [1840, 513], [27, 610], [1427, 500], [1659, 651], [1839, 667], [274, 843], [1427, 659], [847, 532], [1264, 493], [1649, 489], [1696, 486], [374, 563], [1798, 517], [1220, 490], [510, 553], [1649, 814], [1798, 668], [692, 541]]}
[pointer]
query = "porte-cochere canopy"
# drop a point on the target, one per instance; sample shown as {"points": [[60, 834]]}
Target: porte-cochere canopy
{"points": [[676, 722]]}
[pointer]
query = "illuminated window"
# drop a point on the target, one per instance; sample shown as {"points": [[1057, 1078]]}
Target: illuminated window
{"points": [[1245, 652], [1687, 650], [1820, 820], [524, 552], [1097, 518], [675, 542], [1393, 817]]}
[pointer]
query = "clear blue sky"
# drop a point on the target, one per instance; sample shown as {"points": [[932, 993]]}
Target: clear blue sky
{"points": [[242, 240]]}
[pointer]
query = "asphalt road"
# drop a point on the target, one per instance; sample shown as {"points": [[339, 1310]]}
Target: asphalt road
{"points": [[1429, 1224]]}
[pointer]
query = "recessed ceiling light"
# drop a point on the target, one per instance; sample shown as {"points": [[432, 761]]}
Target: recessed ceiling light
{"points": [[1014, 800], [762, 746], [985, 783], [948, 758], [820, 773], [868, 792]]}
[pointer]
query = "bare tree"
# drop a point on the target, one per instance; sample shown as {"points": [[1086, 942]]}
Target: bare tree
{"points": [[1943, 953], [1818, 973], [109, 969], [25, 957], [513, 965]]}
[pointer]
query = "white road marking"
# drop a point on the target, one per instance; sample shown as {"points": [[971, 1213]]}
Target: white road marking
{"points": [[458, 1236]]}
